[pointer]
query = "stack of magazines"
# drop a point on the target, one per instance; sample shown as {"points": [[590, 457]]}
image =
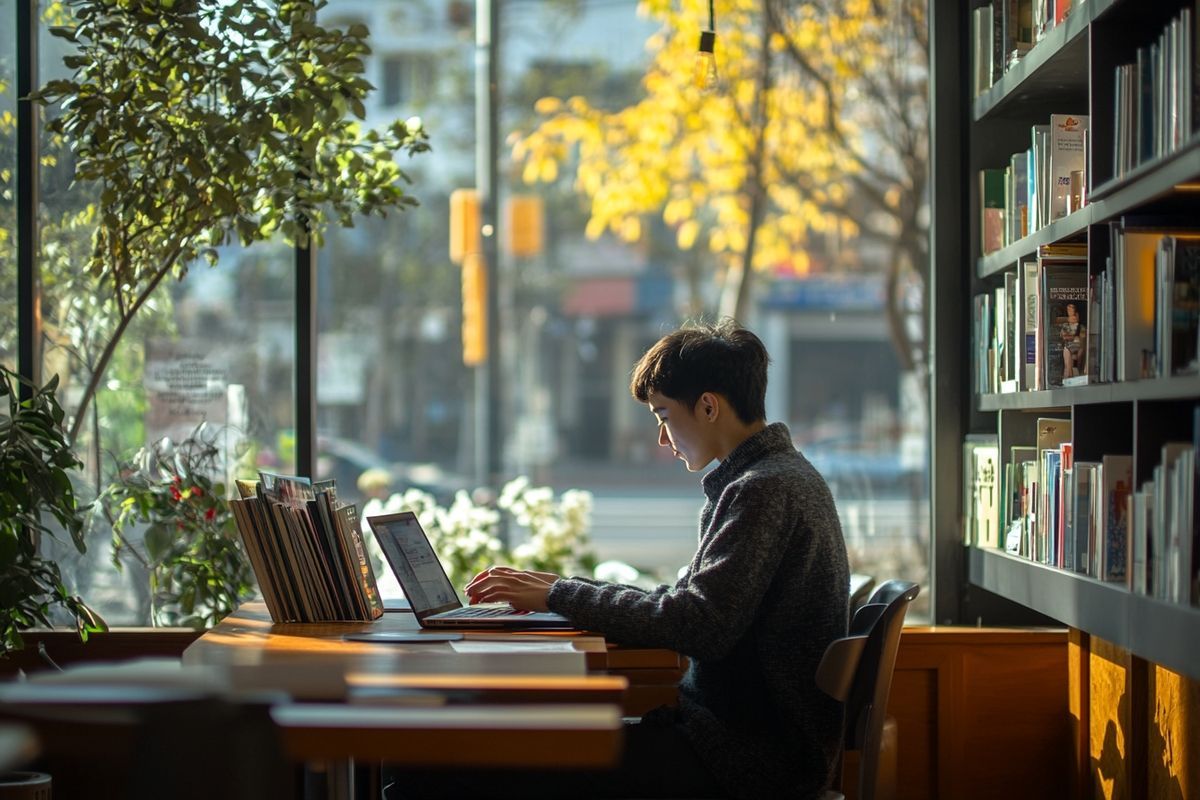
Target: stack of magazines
{"points": [[306, 549]]}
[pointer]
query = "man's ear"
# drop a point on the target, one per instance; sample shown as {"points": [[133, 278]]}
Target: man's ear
{"points": [[709, 406]]}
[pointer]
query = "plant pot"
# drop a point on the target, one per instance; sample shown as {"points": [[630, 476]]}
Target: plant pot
{"points": [[24, 786]]}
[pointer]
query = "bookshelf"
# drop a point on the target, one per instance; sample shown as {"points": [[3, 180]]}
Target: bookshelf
{"points": [[1071, 70], [1151, 628]]}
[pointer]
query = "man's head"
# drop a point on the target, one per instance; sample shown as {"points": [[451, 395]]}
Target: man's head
{"points": [[724, 358]]}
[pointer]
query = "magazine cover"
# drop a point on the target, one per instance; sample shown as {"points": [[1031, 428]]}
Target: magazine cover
{"points": [[1064, 337]]}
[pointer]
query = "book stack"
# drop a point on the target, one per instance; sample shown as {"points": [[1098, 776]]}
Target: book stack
{"points": [[306, 549]]}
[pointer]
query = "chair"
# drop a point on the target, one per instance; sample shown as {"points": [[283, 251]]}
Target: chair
{"points": [[857, 670], [860, 589]]}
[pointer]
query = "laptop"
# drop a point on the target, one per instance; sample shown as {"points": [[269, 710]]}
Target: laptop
{"points": [[429, 591]]}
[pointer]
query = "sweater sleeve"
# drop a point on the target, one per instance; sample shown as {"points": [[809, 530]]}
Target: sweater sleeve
{"points": [[711, 607]]}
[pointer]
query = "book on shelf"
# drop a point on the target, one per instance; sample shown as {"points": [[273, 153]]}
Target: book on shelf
{"points": [[1194, 565], [1039, 177], [1154, 311], [991, 204], [1084, 504], [1001, 34], [306, 551], [1012, 341], [1034, 527], [982, 37], [1065, 507], [1169, 535], [981, 491], [981, 336], [1154, 99], [1017, 207], [1177, 314], [1116, 475], [1027, 287], [1067, 157], [1062, 328], [1045, 543], [1015, 494], [1016, 29]]}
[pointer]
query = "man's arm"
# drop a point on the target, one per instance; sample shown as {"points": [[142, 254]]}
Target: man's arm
{"points": [[709, 610]]}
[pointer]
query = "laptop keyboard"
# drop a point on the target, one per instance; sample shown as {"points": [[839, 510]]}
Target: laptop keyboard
{"points": [[492, 611]]}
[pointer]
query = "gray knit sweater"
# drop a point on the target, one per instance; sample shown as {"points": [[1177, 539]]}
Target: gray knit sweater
{"points": [[763, 596]]}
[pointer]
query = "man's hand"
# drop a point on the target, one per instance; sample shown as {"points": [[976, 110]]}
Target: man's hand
{"points": [[525, 590]]}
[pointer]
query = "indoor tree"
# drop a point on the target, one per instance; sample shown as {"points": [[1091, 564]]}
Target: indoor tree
{"points": [[208, 122]]}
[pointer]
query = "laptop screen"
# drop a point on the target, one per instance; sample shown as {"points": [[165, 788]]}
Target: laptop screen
{"points": [[415, 564]]}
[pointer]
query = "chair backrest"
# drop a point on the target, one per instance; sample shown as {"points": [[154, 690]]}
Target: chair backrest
{"points": [[857, 670]]}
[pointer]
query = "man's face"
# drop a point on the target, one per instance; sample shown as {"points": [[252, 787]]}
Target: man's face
{"points": [[684, 430]]}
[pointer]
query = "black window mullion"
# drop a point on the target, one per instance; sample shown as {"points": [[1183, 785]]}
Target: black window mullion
{"points": [[306, 359], [27, 193]]}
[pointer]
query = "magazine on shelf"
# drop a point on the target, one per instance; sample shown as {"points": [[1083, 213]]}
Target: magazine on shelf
{"points": [[1068, 137], [1063, 341]]}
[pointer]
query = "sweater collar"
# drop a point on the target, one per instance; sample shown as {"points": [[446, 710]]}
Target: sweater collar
{"points": [[771, 439]]}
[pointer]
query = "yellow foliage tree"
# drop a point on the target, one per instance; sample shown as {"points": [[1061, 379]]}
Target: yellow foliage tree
{"points": [[819, 127]]}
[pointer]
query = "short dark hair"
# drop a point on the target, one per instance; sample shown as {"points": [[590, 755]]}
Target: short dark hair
{"points": [[700, 357]]}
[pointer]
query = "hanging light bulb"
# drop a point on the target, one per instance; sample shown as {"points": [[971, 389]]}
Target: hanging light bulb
{"points": [[706, 76]]}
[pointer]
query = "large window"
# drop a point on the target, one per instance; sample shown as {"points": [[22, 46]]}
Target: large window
{"points": [[627, 199], [397, 408]]}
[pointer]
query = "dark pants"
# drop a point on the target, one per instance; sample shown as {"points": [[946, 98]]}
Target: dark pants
{"points": [[657, 762]]}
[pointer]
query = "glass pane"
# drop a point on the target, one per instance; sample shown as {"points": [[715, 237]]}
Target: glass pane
{"points": [[8, 184], [216, 347], [835, 294]]}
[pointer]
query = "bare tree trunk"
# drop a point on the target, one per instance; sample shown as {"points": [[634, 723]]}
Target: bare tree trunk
{"points": [[739, 281], [93, 384]]}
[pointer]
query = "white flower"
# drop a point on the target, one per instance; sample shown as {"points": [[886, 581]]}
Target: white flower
{"points": [[615, 572]]}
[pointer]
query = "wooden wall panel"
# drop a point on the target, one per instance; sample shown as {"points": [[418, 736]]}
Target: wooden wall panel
{"points": [[1173, 735], [913, 703], [982, 713], [1110, 733]]}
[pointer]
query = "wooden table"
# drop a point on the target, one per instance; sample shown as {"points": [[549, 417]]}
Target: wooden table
{"points": [[314, 662], [558, 702], [514, 699]]}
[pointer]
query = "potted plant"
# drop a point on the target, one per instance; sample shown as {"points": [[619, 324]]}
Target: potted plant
{"points": [[189, 543], [35, 492]]}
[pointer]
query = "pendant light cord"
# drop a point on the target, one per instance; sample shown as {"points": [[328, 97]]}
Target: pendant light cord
{"points": [[712, 25]]}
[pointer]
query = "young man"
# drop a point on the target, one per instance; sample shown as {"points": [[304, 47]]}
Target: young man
{"points": [[763, 596]]}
